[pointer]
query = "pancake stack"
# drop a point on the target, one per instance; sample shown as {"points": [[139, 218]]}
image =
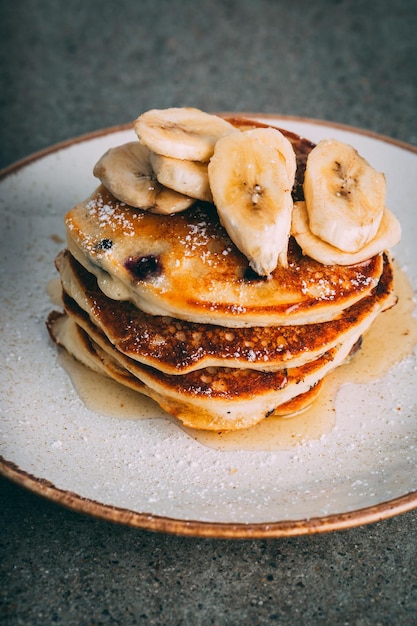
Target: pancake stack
{"points": [[167, 299]]}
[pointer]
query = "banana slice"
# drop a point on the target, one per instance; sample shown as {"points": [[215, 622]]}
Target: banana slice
{"points": [[127, 173], [186, 177], [345, 196], [252, 193], [181, 133], [273, 137], [387, 236]]}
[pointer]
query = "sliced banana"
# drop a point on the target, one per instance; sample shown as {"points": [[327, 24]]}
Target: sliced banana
{"points": [[181, 133], [127, 173], [186, 177], [273, 137], [387, 236], [344, 194], [252, 193]]}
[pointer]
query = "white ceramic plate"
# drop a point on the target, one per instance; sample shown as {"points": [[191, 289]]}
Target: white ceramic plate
{"points": [[149, 473]]}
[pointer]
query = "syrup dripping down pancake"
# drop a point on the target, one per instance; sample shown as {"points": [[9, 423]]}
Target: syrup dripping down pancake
{"points": [[219, 398], [211, 398]]}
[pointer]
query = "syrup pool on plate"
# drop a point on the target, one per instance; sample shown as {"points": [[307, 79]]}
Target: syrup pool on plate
{"points": [[375, 358]]}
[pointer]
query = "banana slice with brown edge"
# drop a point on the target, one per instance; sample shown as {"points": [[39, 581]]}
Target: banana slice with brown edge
{"points": [[387, 236], [127, 173], [251, 190], [344, 194]]}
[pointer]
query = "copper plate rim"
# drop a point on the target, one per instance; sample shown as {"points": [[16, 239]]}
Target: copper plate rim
{"points": [[207, 529], [199, 528]]}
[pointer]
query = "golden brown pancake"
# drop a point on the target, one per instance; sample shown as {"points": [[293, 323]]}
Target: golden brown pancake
{"points": [[185, 266], [220, 398], [210, 398], [65, 332], [177, 347]]}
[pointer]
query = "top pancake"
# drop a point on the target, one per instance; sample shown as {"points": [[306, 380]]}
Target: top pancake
{"points": [[185, 266]]}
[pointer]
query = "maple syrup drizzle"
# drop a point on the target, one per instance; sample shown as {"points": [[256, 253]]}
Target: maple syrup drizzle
{"points": [[372, 361]]}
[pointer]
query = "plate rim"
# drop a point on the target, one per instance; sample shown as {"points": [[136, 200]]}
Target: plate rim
{"points": [[206, 529], [101, 132], [200, 528]]}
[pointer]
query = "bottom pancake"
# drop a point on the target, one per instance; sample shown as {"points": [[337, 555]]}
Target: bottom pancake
{"points": [[66, 332], [215, 398]]}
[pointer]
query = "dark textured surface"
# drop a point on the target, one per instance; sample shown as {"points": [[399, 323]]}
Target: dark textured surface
{"points": [[72, 67], [62, 567]]}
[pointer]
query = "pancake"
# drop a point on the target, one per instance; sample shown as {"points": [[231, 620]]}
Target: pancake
{"points": [[167, 305], [177, 347], [67, 334], [187, 267], [210, 398]]}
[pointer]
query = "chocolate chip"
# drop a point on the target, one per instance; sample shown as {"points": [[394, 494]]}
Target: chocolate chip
{"points": [[104, 244], [143, 267]]}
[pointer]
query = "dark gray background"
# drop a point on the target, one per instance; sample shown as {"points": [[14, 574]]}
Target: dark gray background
{"points": [[71, 67]]}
